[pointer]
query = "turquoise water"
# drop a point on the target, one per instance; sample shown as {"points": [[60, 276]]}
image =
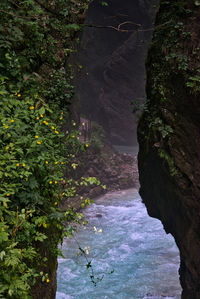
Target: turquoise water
{"points": [[145, 260], [127, 149]]}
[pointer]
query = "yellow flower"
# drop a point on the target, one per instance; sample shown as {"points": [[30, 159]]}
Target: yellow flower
{"points": [[95, 229], [26, 179], [39, 142], [41, 115], [100, 231], [86, 145], [61, 117], [47, 280], [62, 113], [6, 127], [23, 164], [31, 107], [56, 132], [28, 102], [19, 95], [46, 162], [7, 147], [37, 117], [52, 127], [56, 182], [56, 162], [55, 203], [62, 163], [12, 120], [17, 164], [44, 225], [63, 194], [8, 194], [50, 182], [36, 136]]}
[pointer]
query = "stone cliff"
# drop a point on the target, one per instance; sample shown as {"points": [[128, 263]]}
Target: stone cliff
{"points": [[113, 73], [169, 134]]}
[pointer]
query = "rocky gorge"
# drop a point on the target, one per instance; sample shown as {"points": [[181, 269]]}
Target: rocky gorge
{"points": [[71, 74], [112, 76]]}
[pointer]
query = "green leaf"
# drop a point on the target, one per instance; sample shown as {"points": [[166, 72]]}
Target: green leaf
{"points": [[75, 27], [42, 110]]}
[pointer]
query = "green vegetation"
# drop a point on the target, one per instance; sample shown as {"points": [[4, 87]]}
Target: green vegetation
{"points": [[170, 68], [170, 162], [97, 137], [36, 39], [158, 125]]}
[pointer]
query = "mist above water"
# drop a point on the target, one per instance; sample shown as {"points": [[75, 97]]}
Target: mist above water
{"points": [[133, 150], [112, 76]]}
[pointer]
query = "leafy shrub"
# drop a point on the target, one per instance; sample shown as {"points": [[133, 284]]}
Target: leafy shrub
{"points": [[36, 38], [32, 151]]}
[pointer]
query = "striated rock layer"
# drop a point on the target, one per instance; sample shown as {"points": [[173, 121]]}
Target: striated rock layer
{"points": [[169, 134]]}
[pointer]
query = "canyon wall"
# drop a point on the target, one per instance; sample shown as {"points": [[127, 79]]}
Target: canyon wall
{"points": [[112, 63], [169, 134]]}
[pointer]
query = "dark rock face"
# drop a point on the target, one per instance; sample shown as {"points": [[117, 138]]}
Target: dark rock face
{"points": [[169, 134], [113, 72]]}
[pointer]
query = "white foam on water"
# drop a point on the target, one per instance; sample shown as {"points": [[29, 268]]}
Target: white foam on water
{"points": [[60, 295], [145, 260]]}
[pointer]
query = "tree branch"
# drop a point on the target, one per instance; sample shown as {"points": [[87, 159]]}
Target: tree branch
{"points": [[21, 17], [118, 28], [49, 9]]}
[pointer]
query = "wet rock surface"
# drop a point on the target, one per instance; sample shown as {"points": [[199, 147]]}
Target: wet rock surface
{"points": [[116, 170], [169, 164]]}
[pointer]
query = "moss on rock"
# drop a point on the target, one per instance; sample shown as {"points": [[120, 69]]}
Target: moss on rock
{"points": [[169, 136]]}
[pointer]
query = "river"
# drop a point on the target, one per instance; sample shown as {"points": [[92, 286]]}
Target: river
{"points": [[144, 258]]}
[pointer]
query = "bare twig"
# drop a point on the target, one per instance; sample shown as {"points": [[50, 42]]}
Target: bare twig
{"points": [[127, 22], [115, 28], [118, 28]]}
